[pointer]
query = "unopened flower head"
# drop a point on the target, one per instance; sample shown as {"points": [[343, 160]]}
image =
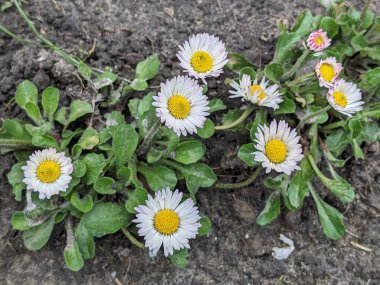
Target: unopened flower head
{"points": [[181, 105], [261, 93], [202, 56], [278, 148], [327, 71], [345, 97], [165, 221], [318, 41], [47, 172]]}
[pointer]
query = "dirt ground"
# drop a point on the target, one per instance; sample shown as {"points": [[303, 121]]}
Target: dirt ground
{"points": [[237, 251]]}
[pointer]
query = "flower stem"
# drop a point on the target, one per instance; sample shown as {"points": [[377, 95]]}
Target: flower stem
{"points": [[241, 119], [244, 183], [132, 239], [312, 115], [301, 79], [15, 144], [320, 175], [334, 125], [296, 66]]}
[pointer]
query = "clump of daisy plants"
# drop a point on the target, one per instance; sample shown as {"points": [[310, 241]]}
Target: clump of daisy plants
{"points": [[99, 171]]}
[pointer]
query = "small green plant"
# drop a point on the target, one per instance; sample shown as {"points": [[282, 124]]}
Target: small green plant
{"points": [[102, 171]]}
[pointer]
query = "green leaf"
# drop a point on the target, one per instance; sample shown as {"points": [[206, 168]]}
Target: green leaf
{"points": [[298, 187], [105, 185], [139, 84], [84, 71], [43, 129], [78, 109], [50, 101], [288, 106], [371, 79], [26, 93], [341, 189], [359, 42], [60, 115], [15, 177], [328, 25], [330, 218], [135, 198], [95, 164], [189, 151], [84, 204], [34, 113], [19, 221], [158, 177], [274, 71], [355, 127], [153, 155], [260, 120], [35, 238], [179, 258], [205, 226], [89, 139], [85, 241], [337, 142], [148, 68], [106, 218], [148, 123], [124, 144], [79, 168], [44, 141], [133, 106], [271, 210], [146, 104], [105, 79], [249, 71], [124, 174], [216, 105], [373, 112], [245, 154], [237, 61], [73, 258], [207, 131]]}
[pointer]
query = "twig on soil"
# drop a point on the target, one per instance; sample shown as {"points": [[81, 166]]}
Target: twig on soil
{"points": [[359, 246], [352, 234]]}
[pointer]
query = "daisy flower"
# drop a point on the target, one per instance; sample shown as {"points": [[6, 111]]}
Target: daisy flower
{"points": [[181, 105], [345, 97], [164, 221], [327, 71], [318, 41], [203, 56], [278, 148], [47, 172], [261, 94]]}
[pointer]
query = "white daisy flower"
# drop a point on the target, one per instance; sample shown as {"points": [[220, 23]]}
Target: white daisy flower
{"points": [[203, 56], [164, 221], [278, 148], [181, 105], [345, 97], [327, 71], [318, 40], [261, 94], [47, 172]]}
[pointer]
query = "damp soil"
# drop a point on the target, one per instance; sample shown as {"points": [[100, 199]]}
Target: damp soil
{"points": [[237, 251]]}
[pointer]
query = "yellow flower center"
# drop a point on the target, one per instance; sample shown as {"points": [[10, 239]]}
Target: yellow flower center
{"points": [[166, 222], [258, 89], [179, 106], [327, 72], [201, 61], [48, 171], [340, 99], [318, 40], [276, 151]]}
